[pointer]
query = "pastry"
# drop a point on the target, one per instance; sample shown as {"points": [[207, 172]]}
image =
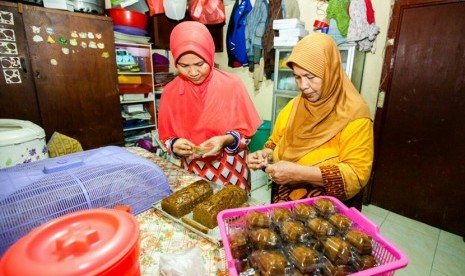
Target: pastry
{"points": [[319, 227], [293, 231], [271, 262], [184, 200], [200, 150], [238, 244], [324, 206], [229, 197], [304, 211], [364, 262], [281, 214], [330, 269], [303, 257], [257, 219], [337, 250], [360, 241], [341, 222], [264, 238]]}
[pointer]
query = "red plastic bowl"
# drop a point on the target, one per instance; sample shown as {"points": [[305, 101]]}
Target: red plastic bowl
{"points": [[128, 18]]}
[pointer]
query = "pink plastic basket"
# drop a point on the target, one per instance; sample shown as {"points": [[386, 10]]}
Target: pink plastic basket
{"points": [[388, 256]]}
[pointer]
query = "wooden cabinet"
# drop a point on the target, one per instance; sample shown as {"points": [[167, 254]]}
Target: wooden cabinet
{"points": [[136, 88], [285, 87], [59, 71]]}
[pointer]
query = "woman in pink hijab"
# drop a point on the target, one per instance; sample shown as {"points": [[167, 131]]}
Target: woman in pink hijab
{"points": [[206, 116]]}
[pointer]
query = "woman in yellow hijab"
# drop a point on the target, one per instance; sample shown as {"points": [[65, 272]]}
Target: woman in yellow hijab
{"points": [[322, 141]]}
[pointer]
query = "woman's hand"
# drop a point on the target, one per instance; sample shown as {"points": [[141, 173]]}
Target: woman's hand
{"points": [[216, 144], [282, 172], [183, 147], [259, 159]]}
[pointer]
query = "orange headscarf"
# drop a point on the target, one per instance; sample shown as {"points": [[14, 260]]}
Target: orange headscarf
{"points": [[218, 105], [312, 124]]}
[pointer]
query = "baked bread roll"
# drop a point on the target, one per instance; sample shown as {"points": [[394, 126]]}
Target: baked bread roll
{"points": [[325, 207], [264, 238], [304, 211], [330, 269], [229, 197], [271, 262], [303, 257], [319, 227], [360, 241], [337, 250], [341, 222], [257, 219], [238, 244], [293, 231], [184, 200], [280, 214], [364, 262]]}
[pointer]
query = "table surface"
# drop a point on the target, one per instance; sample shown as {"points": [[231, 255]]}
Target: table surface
{"points": [[160, 234]]}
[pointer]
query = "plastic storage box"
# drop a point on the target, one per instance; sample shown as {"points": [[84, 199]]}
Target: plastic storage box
{"points": [[21, 142], [389, 258], [32, 194]]}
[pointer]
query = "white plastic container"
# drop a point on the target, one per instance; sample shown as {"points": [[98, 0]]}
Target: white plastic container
{"points": [[21, 142]]}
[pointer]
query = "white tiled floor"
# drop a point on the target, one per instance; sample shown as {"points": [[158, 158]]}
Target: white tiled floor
{"points": [[431, 251]]}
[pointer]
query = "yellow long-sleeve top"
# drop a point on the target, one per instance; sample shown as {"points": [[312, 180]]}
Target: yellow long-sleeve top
{"points": [[345, 160]]}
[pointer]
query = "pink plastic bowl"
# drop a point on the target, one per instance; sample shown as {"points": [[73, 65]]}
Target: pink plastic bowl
{"points": [[128, 18]]}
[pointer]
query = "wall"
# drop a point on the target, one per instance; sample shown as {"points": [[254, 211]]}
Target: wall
{"points": [[311, 10]]}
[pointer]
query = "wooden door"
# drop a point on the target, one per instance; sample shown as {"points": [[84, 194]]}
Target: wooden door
{"points": [[17, 93], [419, 168], [74, 67]]}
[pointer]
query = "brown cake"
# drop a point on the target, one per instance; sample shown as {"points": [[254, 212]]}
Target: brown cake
{"points": [[342, 222], [184, 200], [303, 257], [271, 262], [319, 227], [364, 262], [264, 238], [257, 219], [330, 269], [281, 214], [362, 242], [324, 206], [293, 231], [229, 197], [238, 244], [304, 211], [337, 250]]}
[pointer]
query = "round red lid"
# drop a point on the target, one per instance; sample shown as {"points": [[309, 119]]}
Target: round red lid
{"points": [[80, 243]]}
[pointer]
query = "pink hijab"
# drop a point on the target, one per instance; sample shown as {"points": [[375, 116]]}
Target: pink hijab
{"points": [[218, 105]]}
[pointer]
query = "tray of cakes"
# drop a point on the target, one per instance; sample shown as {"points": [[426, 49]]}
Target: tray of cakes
{"points": [[315, 236], [197, 205]]}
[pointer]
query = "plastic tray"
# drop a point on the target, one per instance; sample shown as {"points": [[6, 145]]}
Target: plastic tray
{"points": [[388, 256]]}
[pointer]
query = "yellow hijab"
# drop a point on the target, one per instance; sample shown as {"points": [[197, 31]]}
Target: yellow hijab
{"points": [[312, 124]]}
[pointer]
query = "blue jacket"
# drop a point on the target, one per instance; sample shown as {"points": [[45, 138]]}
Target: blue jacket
{"points": [[235, 42]]}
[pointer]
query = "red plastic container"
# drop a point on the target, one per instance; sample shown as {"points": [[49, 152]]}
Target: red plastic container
{"points": [[388, 256], [128, 18], [89, 242]]}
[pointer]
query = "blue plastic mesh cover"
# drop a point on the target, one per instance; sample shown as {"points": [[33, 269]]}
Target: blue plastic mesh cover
{"points": [[35, 193]]}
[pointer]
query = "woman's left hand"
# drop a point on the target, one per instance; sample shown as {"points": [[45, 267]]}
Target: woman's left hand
{"points": [[216, 144], [282, 172]]}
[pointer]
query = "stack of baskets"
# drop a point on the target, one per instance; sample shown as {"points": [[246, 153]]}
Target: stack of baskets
{"points": [[162, 76]]}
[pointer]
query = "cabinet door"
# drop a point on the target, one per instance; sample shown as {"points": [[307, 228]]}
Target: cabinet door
{"points": [[74, 67], [17, 93]]}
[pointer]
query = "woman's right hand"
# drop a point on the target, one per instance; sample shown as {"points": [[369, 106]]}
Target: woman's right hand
{"points": [[259, 159], [183, 147]]}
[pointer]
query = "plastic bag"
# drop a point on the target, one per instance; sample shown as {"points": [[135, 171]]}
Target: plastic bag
{"points": [[175, 9], [185, 263], [207, 11]]}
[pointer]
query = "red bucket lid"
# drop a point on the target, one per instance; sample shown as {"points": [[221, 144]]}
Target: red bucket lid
{"points": [[81, 243]]}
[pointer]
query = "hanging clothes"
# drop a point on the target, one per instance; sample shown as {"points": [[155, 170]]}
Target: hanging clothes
{"points": [[274, 12], [290, 9], [360, 30], [235, 42], [339, 10]]}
